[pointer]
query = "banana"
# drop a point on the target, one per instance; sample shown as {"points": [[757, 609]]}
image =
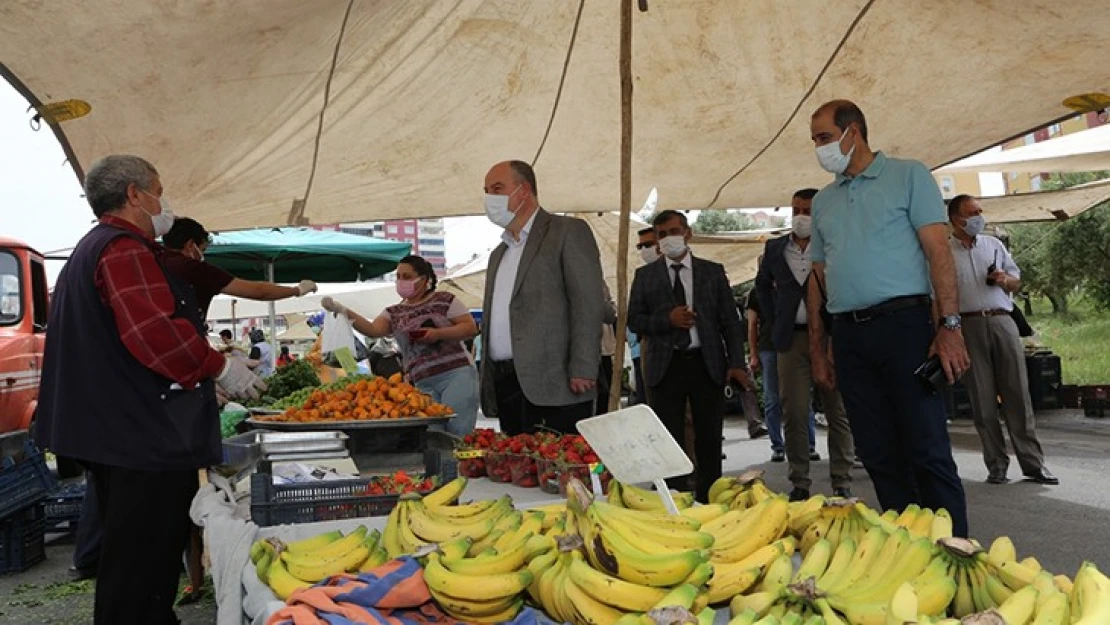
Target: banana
{"points": [[763, 524], [492, 509], [1054, 611], [611, 553], [1019, 608], [1063, 583], [1002, 550], [884, 581], [656, 518], [474, 587], [996, 590], [314, 568], [377, 557], [908, 516], [706, 616], [1015, 574], [258, 548], [490, 564], [922, 525], [610, 590], [531, 526], [804, 513], [316, 542], [747, 617], [836, 528], [391, 536], [588, 610], [434, 530], [903, 606], [759, 602], [867, 551], [761, 558], [479, 612], [942, 526], [446, 495], [539, 566], [1033, 564], [682, 596], [410, 542], [547, 586], [282, 582], [335, 547], [539, 545], [485, 543], [935, 588], [700, 576], [815, 562], [669, 539], [777, 575], [818, 530], [839, 563], [1091, 595], [641, 499], [720, 485], [963, 604], [831, 616], [455, 549], [262, 565], [706, 513], [723, 587], [726, 497], [983, 600]]}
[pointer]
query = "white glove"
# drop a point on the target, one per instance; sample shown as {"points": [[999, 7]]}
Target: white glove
{"points": [[238, 381], [333, 306], [305, 287]]}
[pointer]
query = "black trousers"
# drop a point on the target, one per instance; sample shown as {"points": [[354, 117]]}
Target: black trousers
{"points": [[687, 380], [899, 428], [144, 517], [86, 550], [517, 415], [604, 384]]}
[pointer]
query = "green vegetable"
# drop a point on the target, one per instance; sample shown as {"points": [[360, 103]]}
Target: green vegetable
{"points": [[297, 398], [290, 378]]}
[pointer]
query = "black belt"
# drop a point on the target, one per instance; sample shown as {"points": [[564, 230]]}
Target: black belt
{"points": [[890, 306], [688, 354]]}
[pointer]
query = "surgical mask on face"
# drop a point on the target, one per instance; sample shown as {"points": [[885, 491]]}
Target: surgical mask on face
{"points": [[975, 225], [649, 254], [832, 159], [163, 221], [802, 225], [497, 208], [407, 288], [199, 253], [673, 247]]}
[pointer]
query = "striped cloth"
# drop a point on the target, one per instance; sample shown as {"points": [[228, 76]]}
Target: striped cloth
{"points": [[392, 594]]}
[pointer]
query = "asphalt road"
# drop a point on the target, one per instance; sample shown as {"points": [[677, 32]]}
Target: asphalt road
{"points": [[1060, 525]]}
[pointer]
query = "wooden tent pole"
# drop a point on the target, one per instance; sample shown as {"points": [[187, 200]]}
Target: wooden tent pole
{"points": [[626, 201]]}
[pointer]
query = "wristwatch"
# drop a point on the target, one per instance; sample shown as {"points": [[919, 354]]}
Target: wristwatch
{"points": [[950, 322]]}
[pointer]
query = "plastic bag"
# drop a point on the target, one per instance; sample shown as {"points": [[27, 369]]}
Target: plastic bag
{"points": [[337, 333]]}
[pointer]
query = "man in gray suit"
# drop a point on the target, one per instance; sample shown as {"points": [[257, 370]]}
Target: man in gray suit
{"points": [[684, 307], [781, 288], [543, 310]]}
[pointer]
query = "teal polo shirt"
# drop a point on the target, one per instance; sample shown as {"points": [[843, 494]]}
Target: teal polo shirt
{"points": [[865, 232]]}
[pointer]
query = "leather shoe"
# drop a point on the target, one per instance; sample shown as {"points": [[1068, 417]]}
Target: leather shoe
{"points": [[1043, 476], [814, 456], [758, 432], [78, 574], [778, 456], [844, 493], [997, 477], [799, 494]]}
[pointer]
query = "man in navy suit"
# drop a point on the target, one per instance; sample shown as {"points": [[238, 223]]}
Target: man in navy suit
{"points": [[781, 287], [684, 307]]}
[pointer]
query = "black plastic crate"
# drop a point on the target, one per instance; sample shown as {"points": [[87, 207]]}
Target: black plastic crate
{"points": [[22, 539], [23, 482], [63, 506], [277, 504]]}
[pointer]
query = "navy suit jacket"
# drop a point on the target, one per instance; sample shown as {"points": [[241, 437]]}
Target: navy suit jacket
{"points": [[779, 292]]}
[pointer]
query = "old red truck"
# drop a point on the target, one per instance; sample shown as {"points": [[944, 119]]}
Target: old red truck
{"points": [[24, 300]]}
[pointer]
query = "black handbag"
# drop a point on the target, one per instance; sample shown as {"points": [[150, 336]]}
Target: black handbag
{"points": [[1024, 329]]}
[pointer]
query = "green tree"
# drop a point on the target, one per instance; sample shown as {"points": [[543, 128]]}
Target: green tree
{"points": [[714, 221]]}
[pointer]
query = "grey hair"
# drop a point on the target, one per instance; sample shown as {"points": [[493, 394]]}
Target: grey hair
{"points": [[107, 181]]}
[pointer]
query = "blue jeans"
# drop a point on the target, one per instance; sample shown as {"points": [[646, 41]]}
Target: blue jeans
{"points": [[900, 429], [772, 407], [458, 389]]}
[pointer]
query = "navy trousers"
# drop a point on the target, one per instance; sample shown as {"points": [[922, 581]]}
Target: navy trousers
{"points": [[900, 428]]}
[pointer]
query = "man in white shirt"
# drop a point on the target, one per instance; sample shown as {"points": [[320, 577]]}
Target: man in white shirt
{"points": [[542, 312], [781, 286], [987, 278]]}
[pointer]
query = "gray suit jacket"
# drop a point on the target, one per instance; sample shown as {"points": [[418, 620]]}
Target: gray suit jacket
{"points": [[555, 312], [779, 292], [718, 321]]}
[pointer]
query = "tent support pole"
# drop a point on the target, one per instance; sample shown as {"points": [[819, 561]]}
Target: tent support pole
{"points": [[626, 201], [273, 317]]}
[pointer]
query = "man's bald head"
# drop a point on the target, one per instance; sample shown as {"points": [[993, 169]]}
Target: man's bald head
{"points": [[841, 113], [511, 174]]}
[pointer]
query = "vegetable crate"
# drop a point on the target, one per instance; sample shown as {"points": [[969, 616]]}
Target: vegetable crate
{"points": [[277, 504], [23, 482], [63, 507], [22, 539]]}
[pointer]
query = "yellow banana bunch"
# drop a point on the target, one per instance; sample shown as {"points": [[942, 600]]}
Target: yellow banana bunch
{"points": [[805, 513], [629, 496], [759, 526], [1090, 600], [446, 495], [288, 567], [474, 596]]}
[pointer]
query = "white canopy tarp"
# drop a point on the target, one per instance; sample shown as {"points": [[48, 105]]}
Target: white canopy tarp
{"points": [[1088, 150], [1045, 205], [366, 298], [237, 105]]}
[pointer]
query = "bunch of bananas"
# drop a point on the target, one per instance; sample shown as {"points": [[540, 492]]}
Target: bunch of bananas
{"points": [[289, 567], [635, 498], [740, 492]]}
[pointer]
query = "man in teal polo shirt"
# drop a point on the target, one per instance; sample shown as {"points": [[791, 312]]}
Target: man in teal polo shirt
{"points": [[879, 249]]}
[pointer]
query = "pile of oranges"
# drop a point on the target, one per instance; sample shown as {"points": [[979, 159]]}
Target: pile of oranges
{"points": [[365, 400]]}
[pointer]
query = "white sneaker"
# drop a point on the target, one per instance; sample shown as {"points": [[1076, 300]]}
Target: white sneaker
{"points": [[820, 420]]}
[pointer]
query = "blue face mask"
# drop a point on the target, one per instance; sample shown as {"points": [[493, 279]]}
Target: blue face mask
{"points": [[975, 225]]}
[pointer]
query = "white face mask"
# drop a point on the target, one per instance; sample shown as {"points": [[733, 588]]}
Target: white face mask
{"points": [[649, 254], [832, 159], [163, 221], [673, 247], [497, 208], [975, 225], [802, 225]]}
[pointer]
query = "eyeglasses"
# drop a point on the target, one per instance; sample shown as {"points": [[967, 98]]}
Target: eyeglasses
{"points": [[641, 246]]}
